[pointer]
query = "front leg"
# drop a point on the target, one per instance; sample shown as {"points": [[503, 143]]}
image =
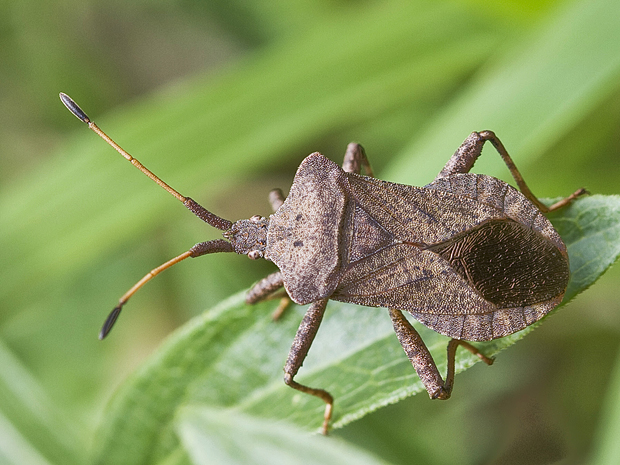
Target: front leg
{"points": [[267, 288], [466, 155]]}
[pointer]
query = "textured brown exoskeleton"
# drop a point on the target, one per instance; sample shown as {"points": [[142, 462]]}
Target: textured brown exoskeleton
{"points": [[468, 255]]}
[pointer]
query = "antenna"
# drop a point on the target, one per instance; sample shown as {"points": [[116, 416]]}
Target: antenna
{"points": [[198, 210], [202, 248]]}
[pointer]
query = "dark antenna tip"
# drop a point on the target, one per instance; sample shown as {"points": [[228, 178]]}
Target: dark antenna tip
{"points": [[109, 322], [74, 108]]}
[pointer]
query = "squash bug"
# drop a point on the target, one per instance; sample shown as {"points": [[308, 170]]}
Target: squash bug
{"points": [[468, 255]]}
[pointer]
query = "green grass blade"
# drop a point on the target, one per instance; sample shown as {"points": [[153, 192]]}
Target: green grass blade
{"points": [[30, 424]]}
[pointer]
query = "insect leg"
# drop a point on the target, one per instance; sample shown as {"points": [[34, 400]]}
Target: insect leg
{"points": [[423, 362], [452, 346], [466, 155], [303, 340], [420, 357], [355, 159], [265, 289], [276, 199]]}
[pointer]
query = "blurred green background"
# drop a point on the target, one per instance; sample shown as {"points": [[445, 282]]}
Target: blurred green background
{"points": [[223, 99]]}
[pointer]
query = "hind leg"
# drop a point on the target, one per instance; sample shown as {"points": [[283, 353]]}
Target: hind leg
{"points": [[466, 155], [422, 360]]}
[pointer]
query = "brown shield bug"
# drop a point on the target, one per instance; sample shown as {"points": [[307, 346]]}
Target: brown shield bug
{"points": [[467, 255]]}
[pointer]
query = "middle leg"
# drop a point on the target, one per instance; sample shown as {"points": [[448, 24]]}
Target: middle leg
{"points": [[301, 345]]}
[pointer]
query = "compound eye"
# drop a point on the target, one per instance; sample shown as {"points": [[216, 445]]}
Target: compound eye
{"points": [[254, 254]]}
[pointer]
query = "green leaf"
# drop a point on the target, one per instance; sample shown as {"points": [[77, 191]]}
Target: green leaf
{"points": [[232, 356], [215, 436], [591, 232]]}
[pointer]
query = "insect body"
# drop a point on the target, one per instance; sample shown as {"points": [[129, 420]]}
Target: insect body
{"points": [[453, 253], [468, 255]]}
